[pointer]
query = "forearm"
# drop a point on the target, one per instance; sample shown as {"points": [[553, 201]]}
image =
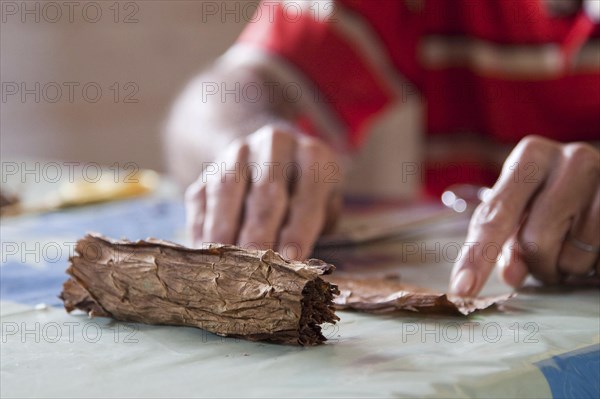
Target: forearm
{"points": [[214, 110]]}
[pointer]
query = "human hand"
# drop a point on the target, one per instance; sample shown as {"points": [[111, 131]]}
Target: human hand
{"points": [[272, 189], [542, 217]]}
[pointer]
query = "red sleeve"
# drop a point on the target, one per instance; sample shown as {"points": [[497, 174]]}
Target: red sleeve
{"points": [[315, 40]]}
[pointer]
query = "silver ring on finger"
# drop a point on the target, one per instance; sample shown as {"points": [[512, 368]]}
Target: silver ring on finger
{"points": [[583, 246]]}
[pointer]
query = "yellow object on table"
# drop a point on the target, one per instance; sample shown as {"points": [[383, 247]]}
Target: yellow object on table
{"points": [[107, 188], [81, 191]]}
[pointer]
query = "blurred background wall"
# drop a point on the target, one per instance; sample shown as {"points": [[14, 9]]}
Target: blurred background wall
{"points": [[56, 57], [93, 81]]}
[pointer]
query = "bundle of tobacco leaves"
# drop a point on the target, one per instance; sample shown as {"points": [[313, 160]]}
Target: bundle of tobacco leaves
{"points": [[255, 295]]}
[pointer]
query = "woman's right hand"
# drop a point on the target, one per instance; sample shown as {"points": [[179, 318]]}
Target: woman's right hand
{"points": [[274, 189]]}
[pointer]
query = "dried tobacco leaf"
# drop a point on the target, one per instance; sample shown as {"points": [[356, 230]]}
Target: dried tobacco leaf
{"points": [[223, 289], [384, 295]]}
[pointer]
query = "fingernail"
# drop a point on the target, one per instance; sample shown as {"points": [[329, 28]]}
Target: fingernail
{"points": [[463, 283], [292, 252]]}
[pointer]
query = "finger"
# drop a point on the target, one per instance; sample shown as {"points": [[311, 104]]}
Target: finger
{"points": [[566, 195], [513, 269], [225, 195], [573, 259], [498, 217], [308, 205], [195, 208], [266, 203]]}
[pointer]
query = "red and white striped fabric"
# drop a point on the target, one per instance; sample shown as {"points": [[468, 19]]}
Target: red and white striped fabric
{"points": [[496, 70]]}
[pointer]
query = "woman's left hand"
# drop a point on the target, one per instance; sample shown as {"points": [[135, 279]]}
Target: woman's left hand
{"points": [[542, 217]]}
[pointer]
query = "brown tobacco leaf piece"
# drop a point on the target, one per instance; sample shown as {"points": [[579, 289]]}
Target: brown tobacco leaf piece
{"points": [[223, 289], [384, 295], [9, 203]]}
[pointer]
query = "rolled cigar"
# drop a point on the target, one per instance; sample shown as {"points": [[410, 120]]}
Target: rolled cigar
{"points": [[229, 291]]}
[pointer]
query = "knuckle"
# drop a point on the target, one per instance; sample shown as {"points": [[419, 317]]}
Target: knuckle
{"points": [[272, 147], [529, 242], [265, 190], [272, 134], [238, 143], [492, 215], [533, 252], [582, 156], [238, 148], [533, 148], [532, 141], [314, 149]]}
